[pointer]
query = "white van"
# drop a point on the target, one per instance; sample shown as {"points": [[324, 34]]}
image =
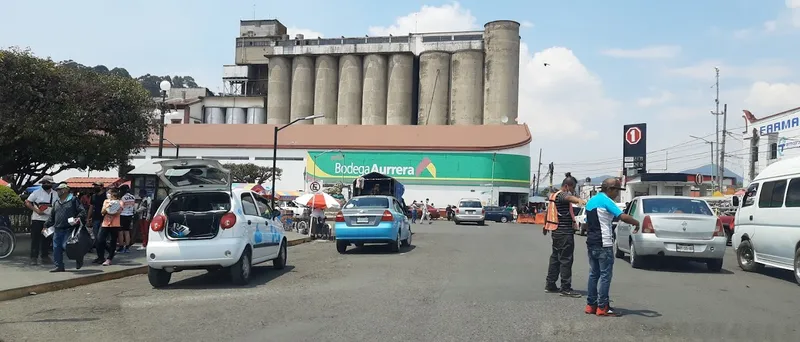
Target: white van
{"points": [[768, 220]]}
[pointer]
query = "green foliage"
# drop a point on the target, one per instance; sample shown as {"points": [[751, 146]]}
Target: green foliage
{"points": [[151, 83], [251, 173], [336, 189], [57, 117], [9, 199]]}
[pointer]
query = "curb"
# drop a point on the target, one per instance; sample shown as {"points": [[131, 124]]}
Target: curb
{"points": [[25, 291]]}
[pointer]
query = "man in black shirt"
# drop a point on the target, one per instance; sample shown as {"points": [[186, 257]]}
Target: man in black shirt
{"points": [[95, 216], [563, 240]]}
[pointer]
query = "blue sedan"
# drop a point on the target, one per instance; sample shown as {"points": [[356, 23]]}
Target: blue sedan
{"points": [[372, 219]]}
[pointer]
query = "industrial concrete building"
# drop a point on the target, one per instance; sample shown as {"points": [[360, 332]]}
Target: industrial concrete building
{"points": [[446, 78]]}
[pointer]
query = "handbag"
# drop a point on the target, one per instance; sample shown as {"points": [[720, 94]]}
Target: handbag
{"points": [[79, 243]]}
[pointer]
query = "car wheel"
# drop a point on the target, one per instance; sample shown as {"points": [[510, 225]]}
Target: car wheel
{"points": [[503, 219], [407, 241], [482, 223], [158, 278], [241, 270], [746, 257], [618, 253], [797, 266], [457, 223], [341, 246], [279, 263], [714, 265], [394, 246], [636, 259]]}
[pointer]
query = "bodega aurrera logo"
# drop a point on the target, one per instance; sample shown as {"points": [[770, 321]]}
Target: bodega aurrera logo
{"points": [[389, 170]]}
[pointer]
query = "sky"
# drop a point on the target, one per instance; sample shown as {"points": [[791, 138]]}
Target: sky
{"points": [[610, 63]]}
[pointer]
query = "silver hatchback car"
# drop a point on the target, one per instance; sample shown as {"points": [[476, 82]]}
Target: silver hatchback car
{"points": [[470, 210]]}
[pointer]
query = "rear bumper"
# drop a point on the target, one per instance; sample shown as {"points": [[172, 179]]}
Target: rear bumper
{"points": [[469, 218], [187, 254], [383, 232], [703, 249]]}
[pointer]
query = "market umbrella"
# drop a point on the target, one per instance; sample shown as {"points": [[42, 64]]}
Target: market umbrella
{"points": [[317, 201]]}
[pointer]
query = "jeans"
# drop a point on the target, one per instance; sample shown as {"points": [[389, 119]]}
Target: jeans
{"points": [[96, 223], [561, 261], [102, 247], [413, 216], [144, 230], [40, 245], [59, 245], [601, 266]]}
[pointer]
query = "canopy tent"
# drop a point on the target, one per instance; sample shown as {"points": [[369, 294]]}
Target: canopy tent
{"points": [[537, 199]]}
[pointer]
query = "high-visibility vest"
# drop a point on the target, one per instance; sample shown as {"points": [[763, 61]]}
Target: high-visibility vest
{"points": [[551, 218]]}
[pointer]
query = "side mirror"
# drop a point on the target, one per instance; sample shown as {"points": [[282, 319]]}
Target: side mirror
{"points": [[735, 201]]}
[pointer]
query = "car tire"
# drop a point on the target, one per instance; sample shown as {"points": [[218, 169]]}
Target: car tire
{"points": [[797, 266], [482, 223], [407, 241], [158, 278], [746, 257], [394, 246], [341, 246], [279, 263], [503, 219], [457, 223], [636, 259], [714, 265], [242, 269], [618, 253]]}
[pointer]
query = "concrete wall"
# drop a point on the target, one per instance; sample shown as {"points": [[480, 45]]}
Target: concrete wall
{"points": [[434, 88], [373, 103], [326, 89], [466, 88], [302, 102], [279, 95], [501, 75], [348, 111], [400, 87]]}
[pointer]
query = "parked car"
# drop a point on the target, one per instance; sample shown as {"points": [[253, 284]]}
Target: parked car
{"points": [[580, 221], [470, 210], [203, 224], [498, 214], [372, 219], [433, 212], [768, 220], [672, 226]]}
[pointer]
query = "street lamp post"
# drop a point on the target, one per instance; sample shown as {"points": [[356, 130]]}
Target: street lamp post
{"points": [[713, 187], [275, 151], [165, 87]]}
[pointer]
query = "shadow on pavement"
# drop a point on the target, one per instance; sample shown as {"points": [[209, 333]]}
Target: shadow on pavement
{"points": [[642, 313], [678, 266], [778, 273], [378, 249], [220, 279], [55, 320]]}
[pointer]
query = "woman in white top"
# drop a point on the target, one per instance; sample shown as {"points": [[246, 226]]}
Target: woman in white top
{"points": [[126, 218]]}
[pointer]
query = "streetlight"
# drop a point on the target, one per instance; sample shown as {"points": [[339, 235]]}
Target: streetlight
{"points": [[165, 87], [711, 143], [275, 150]]}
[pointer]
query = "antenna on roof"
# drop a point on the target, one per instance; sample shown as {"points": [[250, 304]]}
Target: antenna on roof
{"points": [[254, 11]]}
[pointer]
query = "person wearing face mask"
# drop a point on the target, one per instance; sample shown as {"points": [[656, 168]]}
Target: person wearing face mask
{"points": [[559, 222], [40, 202], [67, 214], [95, 218]]}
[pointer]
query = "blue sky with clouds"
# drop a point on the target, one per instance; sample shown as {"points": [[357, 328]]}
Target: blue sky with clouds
{"points": [[612, 62]]}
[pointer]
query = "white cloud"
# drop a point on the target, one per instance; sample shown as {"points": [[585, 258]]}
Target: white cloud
{"points": [[448, 17], [526, 24], [787, 19], [758, 71], [649, 52], [308, 34], [660, 99], [766, 98]]}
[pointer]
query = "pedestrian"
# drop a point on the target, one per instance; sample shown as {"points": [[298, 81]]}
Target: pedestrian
{"points": [[95, 218], [143, 215], [126, 218], [426, 214], [40, 202], [559, 221], [67, 213], [601, 211], [112, 207], [414, 211]]}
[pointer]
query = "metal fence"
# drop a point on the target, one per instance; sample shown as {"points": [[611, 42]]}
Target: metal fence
{"points": [[20, 219]]}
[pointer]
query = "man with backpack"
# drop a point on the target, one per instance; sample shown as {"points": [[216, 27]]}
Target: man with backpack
{"points": [[559, 222], [67, 213]]}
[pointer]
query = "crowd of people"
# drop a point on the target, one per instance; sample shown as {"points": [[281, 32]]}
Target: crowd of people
{"points": [[111, 217]]}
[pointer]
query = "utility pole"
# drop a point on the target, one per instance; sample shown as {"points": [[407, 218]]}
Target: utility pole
{"points": [[753, 154], [538, 173], [550, 171], [716, 128], [722, 147]]}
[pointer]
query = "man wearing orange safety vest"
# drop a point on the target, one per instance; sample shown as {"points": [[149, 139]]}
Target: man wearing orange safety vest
{"points": [[559, 222]]}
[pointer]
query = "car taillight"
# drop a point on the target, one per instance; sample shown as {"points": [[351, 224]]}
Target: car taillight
{"points": [[719, 231], [482, 211], [158, 223], [456, 210], [228, 221], [647, 226], [387, 216], [339, 217]]}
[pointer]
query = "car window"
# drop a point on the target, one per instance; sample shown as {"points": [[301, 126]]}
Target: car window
{"points": [[676, 206], [793, 193], [749, 196], [367, 202], [263, 207], [632, 208], [248, 205], [772, 194], [469, 204]]}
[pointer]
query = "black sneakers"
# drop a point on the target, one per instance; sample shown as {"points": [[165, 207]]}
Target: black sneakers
{"points": [[570, 293]]}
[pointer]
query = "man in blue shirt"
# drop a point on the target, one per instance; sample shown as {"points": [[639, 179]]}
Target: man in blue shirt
{"points": [[600, 214]]}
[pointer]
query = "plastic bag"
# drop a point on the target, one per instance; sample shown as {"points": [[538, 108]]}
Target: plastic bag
{"points": [[79, 243]]}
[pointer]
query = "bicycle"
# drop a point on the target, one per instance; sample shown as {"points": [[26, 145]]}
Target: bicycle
{"points": [[8, 241]]}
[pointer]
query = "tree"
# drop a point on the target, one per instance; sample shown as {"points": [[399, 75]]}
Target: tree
{"points": [[251, 173], [9, 199], [336, 189], [57, 117]]}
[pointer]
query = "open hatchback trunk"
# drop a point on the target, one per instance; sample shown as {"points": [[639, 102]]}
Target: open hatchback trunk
{"points": [[196, 215]]}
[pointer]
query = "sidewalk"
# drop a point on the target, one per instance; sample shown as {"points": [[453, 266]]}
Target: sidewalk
{"points": [[20, 278]]}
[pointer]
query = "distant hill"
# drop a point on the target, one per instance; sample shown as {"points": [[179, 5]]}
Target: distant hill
{"points": [[707, 169]]}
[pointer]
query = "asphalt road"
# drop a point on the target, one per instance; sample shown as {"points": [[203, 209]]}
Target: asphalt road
{"points": [[457, 283]]}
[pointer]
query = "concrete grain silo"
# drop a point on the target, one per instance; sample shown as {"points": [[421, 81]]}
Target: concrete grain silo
{"points": [[215, 115], [326, 89], [434, 88], [279, 95], [235, 116], [400, 87], [501, 77], [466, 88], [302, 89], [373, 105], [348, 111], [256, 116]]}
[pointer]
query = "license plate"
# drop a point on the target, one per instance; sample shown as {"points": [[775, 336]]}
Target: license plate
{"points": [[362, 220], [684, 248], [470, 211]]}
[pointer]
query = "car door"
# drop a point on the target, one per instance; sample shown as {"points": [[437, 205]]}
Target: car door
{"points": [[766, 221], [253, 225], [746, 212], [402, 220], [624, 230], [272, 227]]}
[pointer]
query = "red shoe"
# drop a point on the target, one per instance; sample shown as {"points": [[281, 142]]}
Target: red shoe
{"points": [[607, 311], [590, 309]]}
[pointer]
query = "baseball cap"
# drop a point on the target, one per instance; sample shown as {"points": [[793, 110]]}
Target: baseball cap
{"points": [[62, 186], [46, 179]]}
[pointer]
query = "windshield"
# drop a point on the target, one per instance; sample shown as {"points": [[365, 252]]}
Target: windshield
{"points": [[469, 204], [675, 206], [196, 176], [367, 202]]}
